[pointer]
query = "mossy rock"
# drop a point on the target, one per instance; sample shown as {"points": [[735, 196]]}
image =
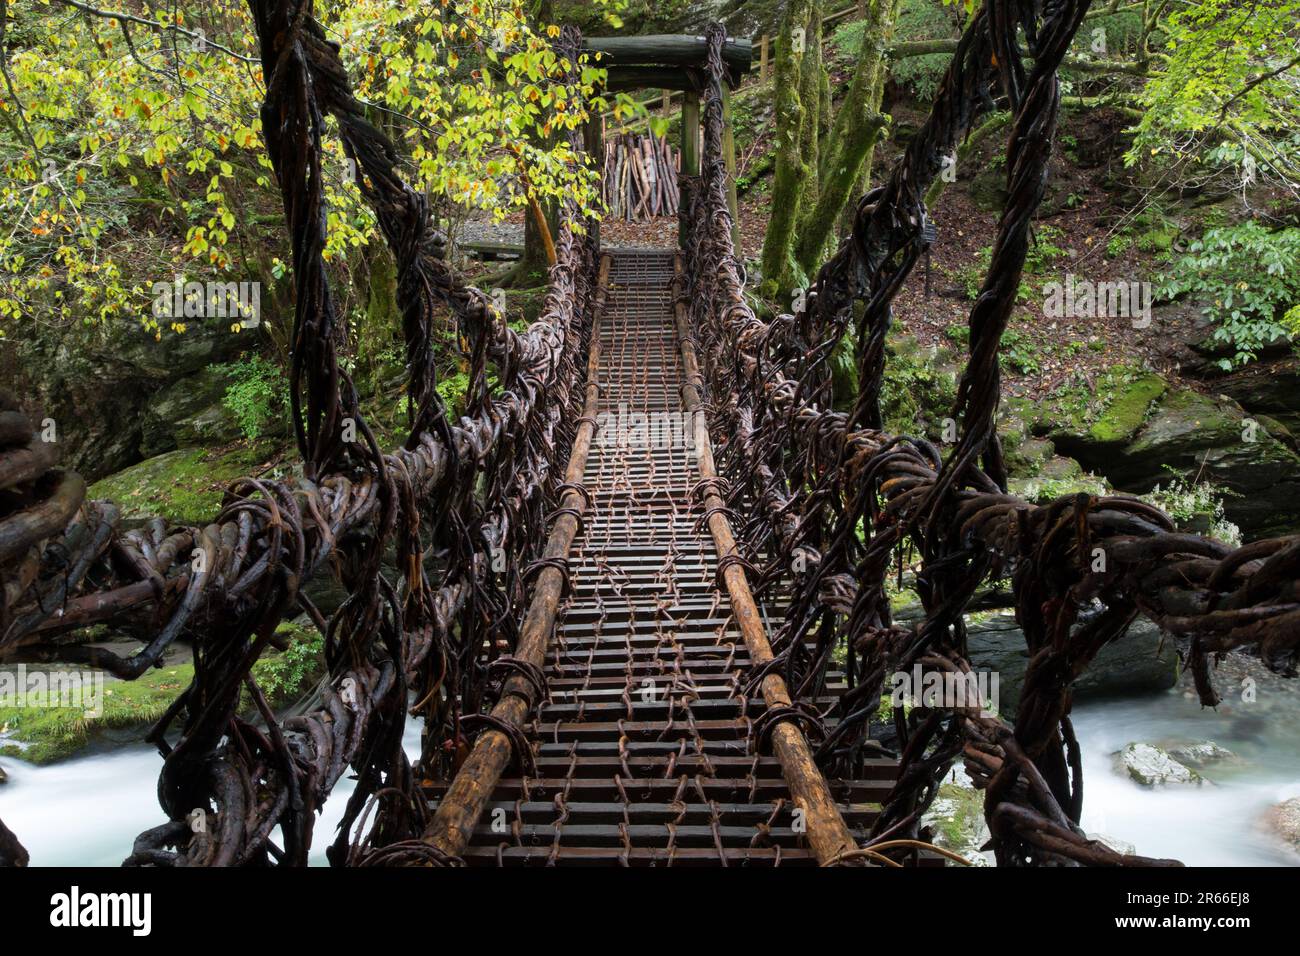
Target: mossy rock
{"points": [[1015, 418], [919, 387], [1127, 411], [1028, 456], [1061, 468], [1044, 487], [956, 821], [1191, 434], [525, 304], [184, 486], [188, 412]]}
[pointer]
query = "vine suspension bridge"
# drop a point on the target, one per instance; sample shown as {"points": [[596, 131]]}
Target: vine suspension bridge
{"points": [[657, 652]]}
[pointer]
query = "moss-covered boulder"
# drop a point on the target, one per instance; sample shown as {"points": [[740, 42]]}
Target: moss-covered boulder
{"points": [[1152, 767], [920, 386], [1127, 413], [1148, 431], [1215, 439], [956, 820], [184, 486], [188, 412]]}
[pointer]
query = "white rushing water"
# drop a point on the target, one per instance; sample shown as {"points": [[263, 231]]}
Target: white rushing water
{"points": [[1219, 823], [89, 810]]}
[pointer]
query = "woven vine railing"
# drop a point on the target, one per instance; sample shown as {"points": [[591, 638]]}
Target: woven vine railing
{"points": [[833, 501], [458, 503], [829, 497]]}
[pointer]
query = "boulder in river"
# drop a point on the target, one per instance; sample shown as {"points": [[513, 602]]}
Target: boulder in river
{"points": [[1140, 662], [956, 820], [1202, 754], [1152, 767], [1283, 821]]}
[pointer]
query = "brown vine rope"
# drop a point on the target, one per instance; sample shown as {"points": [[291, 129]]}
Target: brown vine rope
{"points": [[809, 476], [386, 639], [815, 476]]}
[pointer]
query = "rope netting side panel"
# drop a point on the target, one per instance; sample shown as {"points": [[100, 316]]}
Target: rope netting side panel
{"points": [[834, 501], [450, 504]]}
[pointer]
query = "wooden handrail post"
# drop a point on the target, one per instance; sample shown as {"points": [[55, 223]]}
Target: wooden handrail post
{"points": [[729, 158], [690, 152], [828, 834], [691, 134], [471, 789]]}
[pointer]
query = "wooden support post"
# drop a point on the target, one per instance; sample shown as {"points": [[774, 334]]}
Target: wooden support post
{"points": [[828, 834], [691, 134], [593, 141], [469, 793], [668, 101], [762, 58], [729, 158], [690, 156]]}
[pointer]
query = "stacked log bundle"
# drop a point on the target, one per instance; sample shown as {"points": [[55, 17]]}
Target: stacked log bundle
{"points": [[640, 177]]}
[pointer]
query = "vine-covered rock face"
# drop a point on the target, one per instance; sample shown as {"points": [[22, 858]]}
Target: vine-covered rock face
{"points": [[115, 392]]}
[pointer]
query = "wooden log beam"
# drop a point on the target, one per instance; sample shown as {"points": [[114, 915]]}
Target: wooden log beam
{"points": [[828, 834], [471, 790], [621, 79], [667, 50]]}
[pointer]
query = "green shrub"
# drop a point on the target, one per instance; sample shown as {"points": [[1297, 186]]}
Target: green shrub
{"points": [[257, 394], [286, 676], [1251, 277]]}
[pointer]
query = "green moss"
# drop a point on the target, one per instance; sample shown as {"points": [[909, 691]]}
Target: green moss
{"points": [[918, 389], [1044, 488], [1157, 240], [961, 816], [1187, 414], [1127, 411], [56, 733], [185, 486]]}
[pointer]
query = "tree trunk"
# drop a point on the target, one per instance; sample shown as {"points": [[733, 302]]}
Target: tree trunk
{"points": [[847, 150], [790, 171], [812, 79]]}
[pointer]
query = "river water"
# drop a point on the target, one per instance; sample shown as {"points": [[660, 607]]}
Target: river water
{"points": [[87, 811], [1217, 824]]}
